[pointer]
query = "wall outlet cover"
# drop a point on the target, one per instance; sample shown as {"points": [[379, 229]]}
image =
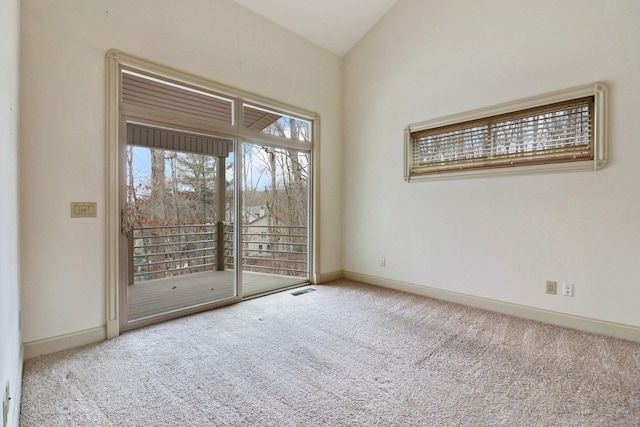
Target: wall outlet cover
{"points": [[567, 289]]}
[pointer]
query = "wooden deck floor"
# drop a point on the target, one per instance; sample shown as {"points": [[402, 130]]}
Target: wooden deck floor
{"points": [[154, 297]]}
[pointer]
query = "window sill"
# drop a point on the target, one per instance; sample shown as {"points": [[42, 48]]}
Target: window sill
{"points": [[583, 166]]}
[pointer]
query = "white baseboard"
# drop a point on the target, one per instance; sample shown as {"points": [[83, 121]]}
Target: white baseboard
{"points": [[329, 277], [64, 342], [616, 330]]}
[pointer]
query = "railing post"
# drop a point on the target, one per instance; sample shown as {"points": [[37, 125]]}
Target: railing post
{"points": [[220, 210], [220, 245], [130, 250]]}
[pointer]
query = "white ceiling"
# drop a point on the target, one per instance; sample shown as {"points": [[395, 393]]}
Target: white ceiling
{"points": [[336, 25]]}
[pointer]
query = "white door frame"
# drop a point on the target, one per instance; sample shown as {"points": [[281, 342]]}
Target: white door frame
{"points": [[115, 275]]}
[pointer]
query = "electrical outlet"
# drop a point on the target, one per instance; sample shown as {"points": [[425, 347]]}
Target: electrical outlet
{"points": [[383, 261], [552, 287], [567, 289], [5, 405]]}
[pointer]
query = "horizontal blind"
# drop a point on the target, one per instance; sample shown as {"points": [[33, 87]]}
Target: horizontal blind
{"points": [[561, 132], [158, 95], [174, 140]]}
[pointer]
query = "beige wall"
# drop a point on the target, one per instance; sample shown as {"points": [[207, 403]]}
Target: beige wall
{"points": [[63, 123], [502, 237], [10, 342]]}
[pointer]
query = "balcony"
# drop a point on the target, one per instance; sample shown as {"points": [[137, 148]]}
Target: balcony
{"points": [[179, 266]]}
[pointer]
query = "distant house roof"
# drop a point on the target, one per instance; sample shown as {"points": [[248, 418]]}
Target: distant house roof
{"points": [[255, 212], [263, 220]]}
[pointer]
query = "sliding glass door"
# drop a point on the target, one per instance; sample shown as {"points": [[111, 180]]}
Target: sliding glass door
{"points": [[214, 194]]}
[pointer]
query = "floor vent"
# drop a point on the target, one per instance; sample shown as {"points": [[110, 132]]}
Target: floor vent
{"points": [[303, 291]]}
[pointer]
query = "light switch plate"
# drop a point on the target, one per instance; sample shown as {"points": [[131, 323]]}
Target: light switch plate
{"points": [[84, 209], [551, 287]]}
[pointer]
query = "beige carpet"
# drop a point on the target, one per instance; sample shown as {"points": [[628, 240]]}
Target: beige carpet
{"points": [[345, 355]]}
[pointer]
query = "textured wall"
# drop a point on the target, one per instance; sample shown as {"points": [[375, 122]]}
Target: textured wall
{"points": [[498, 237]]}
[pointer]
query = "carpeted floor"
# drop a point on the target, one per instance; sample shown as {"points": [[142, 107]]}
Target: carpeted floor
{"points": [[345, 355]]}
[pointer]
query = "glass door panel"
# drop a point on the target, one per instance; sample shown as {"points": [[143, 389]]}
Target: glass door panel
{"points": [[178, 208], [275, 218]]}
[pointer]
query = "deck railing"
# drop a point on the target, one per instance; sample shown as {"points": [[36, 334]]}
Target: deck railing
{"points": [[272, 249], [167, 251]]}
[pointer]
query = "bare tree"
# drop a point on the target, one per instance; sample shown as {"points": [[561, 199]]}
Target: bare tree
{"points": [[196, 179], [158, 187]]}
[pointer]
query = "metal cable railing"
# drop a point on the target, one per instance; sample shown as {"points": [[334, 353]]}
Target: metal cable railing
{"points": [[271, 249], [167, 251]]}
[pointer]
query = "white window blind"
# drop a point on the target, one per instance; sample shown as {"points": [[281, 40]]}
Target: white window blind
{"points": [[554, 133]]}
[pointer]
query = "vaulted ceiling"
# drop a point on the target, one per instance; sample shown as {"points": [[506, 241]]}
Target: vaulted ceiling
{"points": [[336, 25]]}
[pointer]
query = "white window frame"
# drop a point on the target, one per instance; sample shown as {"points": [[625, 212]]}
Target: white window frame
{"points": [[597, 90]]}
